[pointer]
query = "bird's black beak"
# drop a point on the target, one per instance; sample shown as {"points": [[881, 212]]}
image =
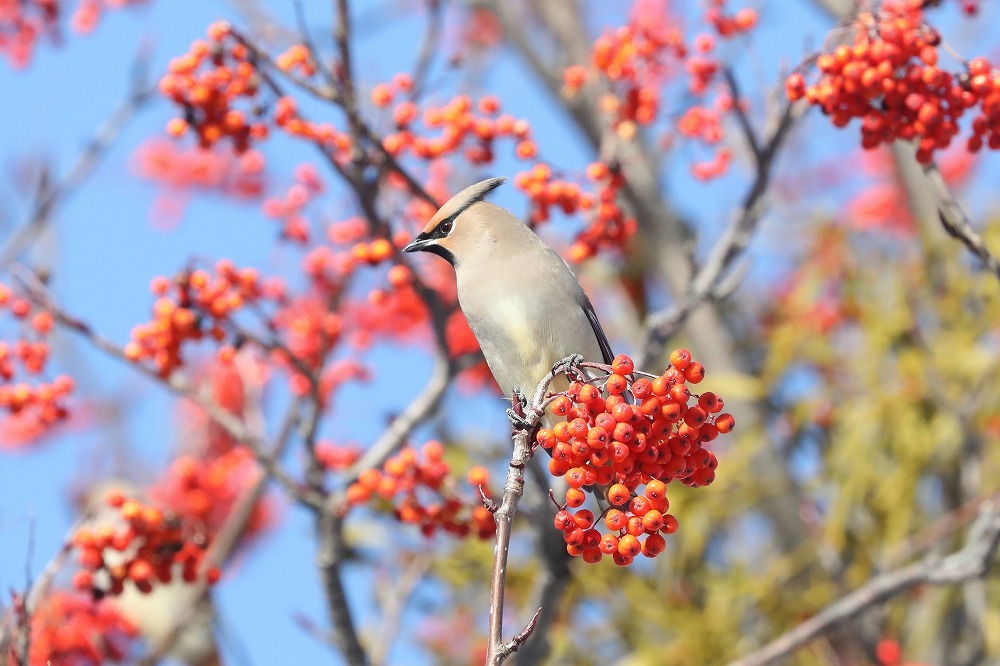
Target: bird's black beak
{"points": [[419, 243], [426, 243]]}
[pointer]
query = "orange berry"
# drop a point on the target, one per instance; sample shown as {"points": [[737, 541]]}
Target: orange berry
{"points": [[478, 476], [680, 358], [654, 545], [575, 497], [669, 524], [618, 494], [694, 373], [656, 489], [622, 365], [629, 546], [725, 423], [652, 520], [526, 150], [382, 95], [616, 384]]}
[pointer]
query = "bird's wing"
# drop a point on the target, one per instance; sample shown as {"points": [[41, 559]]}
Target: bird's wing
{"points": [[595, 324]]}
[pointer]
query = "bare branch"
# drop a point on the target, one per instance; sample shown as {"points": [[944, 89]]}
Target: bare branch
{"points": [[969, 563], [706, 284], [513, 489], [330, 557], [956, 222], [50, 196], [741, 115]]}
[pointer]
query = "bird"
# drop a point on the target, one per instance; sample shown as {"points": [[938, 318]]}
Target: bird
{"points": [[522, 300]]}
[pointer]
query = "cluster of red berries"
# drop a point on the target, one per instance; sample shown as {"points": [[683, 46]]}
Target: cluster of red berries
{"points": [[407, 478], [646, 431], [288, 209], [43, 403], [607, 223], [462, 124], [640, 57], [70, 628], [730, 25], [203, 491], [21, 24], [334, 457], [296, 60], [148, 547], [190, 307], [209, 82], [181, 170], [88, 13], [890, 79], [288, 118]]}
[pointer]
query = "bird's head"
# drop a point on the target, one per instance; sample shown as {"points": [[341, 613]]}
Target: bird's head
{"points": [[460, 229]]}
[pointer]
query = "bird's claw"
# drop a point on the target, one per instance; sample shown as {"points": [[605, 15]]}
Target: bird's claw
{"points": [[571, 366], [520, 417]]}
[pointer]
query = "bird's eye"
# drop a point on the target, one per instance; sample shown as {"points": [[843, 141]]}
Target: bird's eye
{"points": [[447, 226]]}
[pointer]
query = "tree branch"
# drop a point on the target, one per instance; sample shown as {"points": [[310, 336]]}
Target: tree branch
{"points": [[969, 563], [513, 489]]}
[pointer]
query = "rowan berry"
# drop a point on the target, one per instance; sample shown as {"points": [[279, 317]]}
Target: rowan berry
{"points": [[725, 423], [628, 546], [680, 358], [575, 497], [622, 365], [618, 494]]}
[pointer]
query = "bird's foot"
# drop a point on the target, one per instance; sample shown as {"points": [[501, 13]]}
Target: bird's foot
{"points": [[571, 367], [520, 415]]}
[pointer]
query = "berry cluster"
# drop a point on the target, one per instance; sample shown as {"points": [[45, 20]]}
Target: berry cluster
{"points": [[208, 82], [288, 210], [36, 405], [21, 24], [646, 431], [891, 80], [335, 457], [638, 59], [462, 124], [183, 170], [296, 60], [194, 305], [607, 226], [202, 491], [730, 25], [88, 13], [408, 477], [288, 118], [147, 547], [69, 628]]}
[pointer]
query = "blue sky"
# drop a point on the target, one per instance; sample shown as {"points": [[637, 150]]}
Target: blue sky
{"points": [[105, 251]]}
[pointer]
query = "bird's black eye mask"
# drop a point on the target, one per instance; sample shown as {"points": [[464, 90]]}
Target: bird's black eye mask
{"points": [[425, 241]]}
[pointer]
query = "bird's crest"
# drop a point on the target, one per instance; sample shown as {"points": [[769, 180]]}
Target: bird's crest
{"points": [[458, 203]]}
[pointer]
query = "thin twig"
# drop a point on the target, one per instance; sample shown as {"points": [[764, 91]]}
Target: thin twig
{"points": [[36, 292], [51, 196], [663, 324], [513, 489], [741, 115], [956, 222], [969, 563]]}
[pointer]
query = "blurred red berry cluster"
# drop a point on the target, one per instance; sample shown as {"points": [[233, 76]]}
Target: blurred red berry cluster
{"points": [[35, 404], [420, 490]]}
